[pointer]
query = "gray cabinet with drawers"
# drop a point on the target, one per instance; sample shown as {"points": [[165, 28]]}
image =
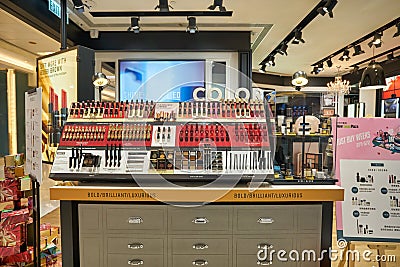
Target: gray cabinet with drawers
{"points": [[214, 235]]}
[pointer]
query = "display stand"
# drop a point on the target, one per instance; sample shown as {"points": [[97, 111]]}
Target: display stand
{"points": [[36, 219]]}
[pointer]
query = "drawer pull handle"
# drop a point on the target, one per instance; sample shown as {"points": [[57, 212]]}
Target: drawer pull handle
{"points": [[200, 246], [200, 220], [135, 246], [135, 220], [200, 262], [135, 262], [265, 220], [264, 245], [264, 263]]}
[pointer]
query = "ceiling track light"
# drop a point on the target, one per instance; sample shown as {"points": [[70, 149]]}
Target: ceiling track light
{"points": [[163, 6], [398, 30], [390, 56], [327, 8], [270, 62], [358, 50], [135, 27], [329, 63], [377, 40], [78, 5], [283, 49], [315, 70], [345, 56], [298, 37], [355, 69], [263, 68], [192, 25], [219, 4], [320, 67]]}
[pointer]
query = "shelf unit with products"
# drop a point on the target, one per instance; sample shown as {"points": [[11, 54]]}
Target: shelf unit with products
{"points": [[195, 141]]}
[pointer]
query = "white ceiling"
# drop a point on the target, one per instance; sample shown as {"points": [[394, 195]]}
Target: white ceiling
{"points": [[269, 21], [21, 35], [352, 20]]}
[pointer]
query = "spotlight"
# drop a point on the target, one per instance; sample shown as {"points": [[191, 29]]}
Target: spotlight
{"points": [[345, 56], [134, 25], [298, 37], [390, 56], [315, 70], [217, 3], [377, 40], [320, 67], [262, 69], [327, 8], [283, 49], [398, 30], [163, 6], [358, 50], [270, 61], [329, 63], [78, 5], [355, 69], [192, 27]]}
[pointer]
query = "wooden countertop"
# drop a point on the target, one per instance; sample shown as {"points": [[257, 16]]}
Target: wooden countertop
{"points": [[277, 193]]}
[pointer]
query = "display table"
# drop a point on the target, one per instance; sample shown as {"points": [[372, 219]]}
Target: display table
{"points": [[132, 226]]}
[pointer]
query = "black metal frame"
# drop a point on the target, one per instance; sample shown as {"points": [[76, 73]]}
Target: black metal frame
{"points": [[36, 219]]}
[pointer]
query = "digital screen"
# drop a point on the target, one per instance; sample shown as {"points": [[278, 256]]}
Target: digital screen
{"points": [[390, 105], [160, 80]]}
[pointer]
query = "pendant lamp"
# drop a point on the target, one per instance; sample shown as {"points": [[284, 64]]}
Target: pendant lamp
{"points": [[299, 79], [373, 77]]}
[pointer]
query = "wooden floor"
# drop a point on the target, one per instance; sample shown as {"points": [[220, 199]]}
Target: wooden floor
{"points": [[54, 219]]}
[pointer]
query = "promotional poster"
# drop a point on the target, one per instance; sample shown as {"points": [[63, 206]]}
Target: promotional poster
{"points": [[33, 103], [367, 155], [57, 76]]}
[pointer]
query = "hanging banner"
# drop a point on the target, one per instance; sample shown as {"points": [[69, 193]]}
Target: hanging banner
{"points": [[33, 133], [367, 155], [57, 75]]}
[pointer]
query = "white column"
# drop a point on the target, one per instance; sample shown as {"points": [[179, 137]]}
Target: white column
{"points": [[369, 98], [12, 116]]}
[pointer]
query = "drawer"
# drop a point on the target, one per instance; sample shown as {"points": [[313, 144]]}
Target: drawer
{"points": [[201, 245], [194, 220], [252, 261], [90, 218], [91, 250], [262, 219], [136, 218], [250, 246], [309, 218], [120, 260], [135, 245], [201, 260]]}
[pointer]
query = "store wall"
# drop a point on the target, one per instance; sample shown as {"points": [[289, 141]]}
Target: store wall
{"points": [[3, 114], [21, 83], [231, 59]]}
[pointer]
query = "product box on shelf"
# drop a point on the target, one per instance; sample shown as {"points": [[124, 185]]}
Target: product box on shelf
{"points": [[8, 190], [14, 217], [14, 160], [23, 257], [9, 251], [6, 206], [11, 235]]}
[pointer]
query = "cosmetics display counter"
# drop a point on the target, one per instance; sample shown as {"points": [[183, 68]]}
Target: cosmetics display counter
{"points": [[131, 159], [108, 225]]}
